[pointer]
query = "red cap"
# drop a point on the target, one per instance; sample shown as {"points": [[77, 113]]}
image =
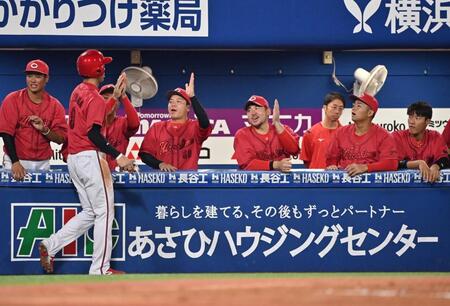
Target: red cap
{"points": [[105, 88], [179, 92], [369, 100], [256, 100], [37, 65]]}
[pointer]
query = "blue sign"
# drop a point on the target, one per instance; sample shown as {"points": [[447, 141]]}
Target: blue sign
{"points": [[236, 178], [285, 227], [207, 24]]}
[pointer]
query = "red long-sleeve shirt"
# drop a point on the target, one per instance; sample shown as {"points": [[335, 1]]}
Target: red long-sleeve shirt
{"points": [[176, 144], [376, 148], [254, 151], [430, 149], [315, 145], [30, 143], [118, 133]]}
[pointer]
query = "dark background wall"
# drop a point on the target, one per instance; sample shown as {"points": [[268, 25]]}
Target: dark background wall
{"points": [[296, 78]]}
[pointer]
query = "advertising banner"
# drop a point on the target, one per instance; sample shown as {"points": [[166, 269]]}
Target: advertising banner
{"points": [[226, 24], [228, 225]]}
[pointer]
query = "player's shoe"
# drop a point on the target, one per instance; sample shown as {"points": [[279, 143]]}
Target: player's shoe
{"points": [[111, 271], [46, 260]]}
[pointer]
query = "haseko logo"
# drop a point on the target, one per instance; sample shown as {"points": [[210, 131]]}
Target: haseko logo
{"points": [[362, 16]]}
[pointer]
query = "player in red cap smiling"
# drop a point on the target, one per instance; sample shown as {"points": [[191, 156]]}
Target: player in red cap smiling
{"points": [[29, 119], [363, 146], [175, 144], [262, 146]]}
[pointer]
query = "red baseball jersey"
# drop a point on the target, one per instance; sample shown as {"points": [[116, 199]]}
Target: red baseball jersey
{"points": [[430, 149], [87, 107], [118, 135], [176, 144], [446, 134], [30, 143], [347, 148], [315, 144], [250, 145]]}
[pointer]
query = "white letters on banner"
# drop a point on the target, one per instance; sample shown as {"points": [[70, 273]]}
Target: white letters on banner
{"points": [[105, 18], [426, 16]]}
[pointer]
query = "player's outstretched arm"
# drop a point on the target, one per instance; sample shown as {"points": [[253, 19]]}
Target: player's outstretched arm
{"points": [[100, 142], [132, 115], [199, 111], [155, 163], [289, 140]]}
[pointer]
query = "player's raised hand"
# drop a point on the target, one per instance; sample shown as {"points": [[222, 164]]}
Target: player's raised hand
{"points": [[276, 112], [121, 84], [190, 88], [276, 117]]}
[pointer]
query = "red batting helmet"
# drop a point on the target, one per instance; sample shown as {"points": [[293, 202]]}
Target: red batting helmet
{"points": [[91, 63]]}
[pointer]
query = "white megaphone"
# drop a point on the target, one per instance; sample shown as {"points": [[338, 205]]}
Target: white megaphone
{"points": [[141, 84], [369, 82]]}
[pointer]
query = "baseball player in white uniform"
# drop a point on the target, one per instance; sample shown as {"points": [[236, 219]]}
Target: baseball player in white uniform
{"points": [[88, 169]]}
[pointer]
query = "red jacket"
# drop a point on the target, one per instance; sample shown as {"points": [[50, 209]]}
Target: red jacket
{"points": [[87, 107], [254, 151], [176, 144], [430, 149], [30, 143], [377, 145], [315, 144]]}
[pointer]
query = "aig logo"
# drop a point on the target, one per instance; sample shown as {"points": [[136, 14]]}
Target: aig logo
{"points": [[362, 16], [32, 222]]}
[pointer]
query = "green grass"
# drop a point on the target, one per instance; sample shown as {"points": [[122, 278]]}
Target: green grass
{"points": [[48, 279]]}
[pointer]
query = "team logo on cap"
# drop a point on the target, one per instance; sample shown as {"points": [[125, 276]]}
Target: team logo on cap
{"points": [[252, 98], [34, 65]]}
